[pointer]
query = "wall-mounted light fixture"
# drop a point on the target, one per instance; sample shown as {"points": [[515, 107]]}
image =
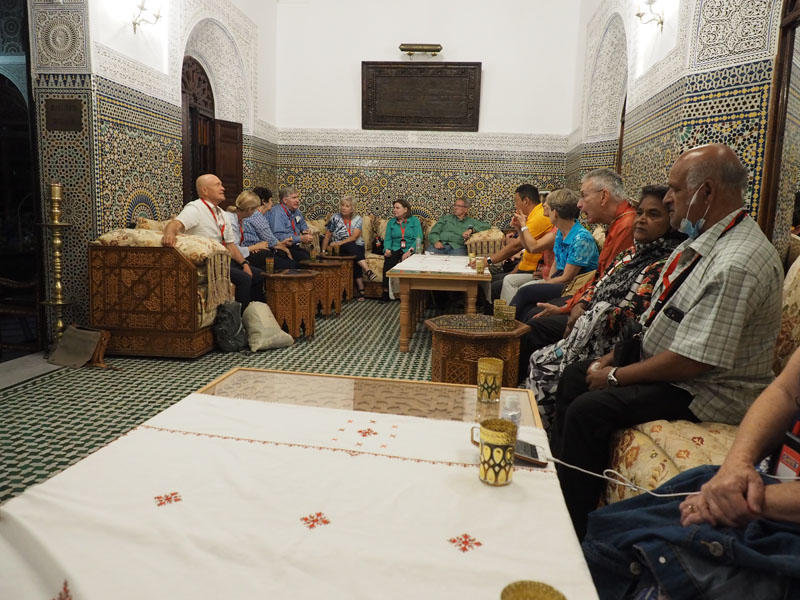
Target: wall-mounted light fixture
{"points": [[411, 49], [651, 16], [141, 17]]}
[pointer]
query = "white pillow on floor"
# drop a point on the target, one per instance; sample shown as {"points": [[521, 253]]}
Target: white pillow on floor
{"points": [[263, 331]]}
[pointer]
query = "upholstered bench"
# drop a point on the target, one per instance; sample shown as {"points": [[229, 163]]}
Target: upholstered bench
{"points": [[651, 453], [157, 301]]}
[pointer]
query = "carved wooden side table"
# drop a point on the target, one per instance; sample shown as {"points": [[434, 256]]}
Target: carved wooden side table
{"points": [[290, 296], [345, 263], [327, 290], [460, 340]]}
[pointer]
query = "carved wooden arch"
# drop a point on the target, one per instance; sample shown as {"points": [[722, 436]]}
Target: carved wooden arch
{"points": [[195, 85], [197, 104]]}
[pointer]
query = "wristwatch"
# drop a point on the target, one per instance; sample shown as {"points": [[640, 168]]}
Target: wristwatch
{"points": [[612, 377], [488, 260]]}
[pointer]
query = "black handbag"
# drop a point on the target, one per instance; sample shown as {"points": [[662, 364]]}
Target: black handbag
{"points": [[629, 349]]}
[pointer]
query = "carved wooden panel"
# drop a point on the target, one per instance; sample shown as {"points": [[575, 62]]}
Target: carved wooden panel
{"points": [[147, 298], [197, 108], [429, 96]]}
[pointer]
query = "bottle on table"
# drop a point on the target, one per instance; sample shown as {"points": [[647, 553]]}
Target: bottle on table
{"points": [[418, 248]]}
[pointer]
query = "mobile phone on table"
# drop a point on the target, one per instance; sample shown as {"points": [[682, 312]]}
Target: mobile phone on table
{"points": [[527, 452]]}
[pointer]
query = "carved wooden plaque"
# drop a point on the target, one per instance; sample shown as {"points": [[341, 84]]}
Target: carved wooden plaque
{"points": [[438, 96], [63, 114]]}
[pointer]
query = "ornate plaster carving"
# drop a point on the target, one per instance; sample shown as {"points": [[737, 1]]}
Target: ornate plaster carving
{"points": [[59, 40], [732, 32], [223, 39], [422, 139], [607, 86]]}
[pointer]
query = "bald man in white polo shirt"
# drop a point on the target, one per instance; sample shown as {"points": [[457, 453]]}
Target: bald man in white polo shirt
{"points": [[205, 218]]}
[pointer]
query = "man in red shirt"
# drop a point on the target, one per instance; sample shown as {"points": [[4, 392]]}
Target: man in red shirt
{"points": [[603, 201]]}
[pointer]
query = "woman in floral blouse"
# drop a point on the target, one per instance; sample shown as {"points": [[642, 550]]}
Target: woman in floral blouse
{"points": [[619, 296]]}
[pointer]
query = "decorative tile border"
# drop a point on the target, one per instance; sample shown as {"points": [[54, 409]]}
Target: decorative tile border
{"points": [[430, 179], [422, 139]]}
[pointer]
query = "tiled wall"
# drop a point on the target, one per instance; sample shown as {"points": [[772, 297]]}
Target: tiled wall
{"points": [[429, 179], [727, 105], [67, 157], [138, 157], [259, 163]]}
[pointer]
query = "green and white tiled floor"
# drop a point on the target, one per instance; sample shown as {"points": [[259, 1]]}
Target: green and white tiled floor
{"points": [[52, 421]]}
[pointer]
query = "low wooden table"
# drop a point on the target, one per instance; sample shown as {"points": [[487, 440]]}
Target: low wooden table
{"points": [[290, 295], [327, 289], [345, 263], [432, 272], [460, 340]]}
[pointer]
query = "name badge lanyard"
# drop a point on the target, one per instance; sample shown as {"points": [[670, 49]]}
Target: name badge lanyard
{"points": [[347, 224], [215, 216], [671, 285], [402, 234], [291, 221]]}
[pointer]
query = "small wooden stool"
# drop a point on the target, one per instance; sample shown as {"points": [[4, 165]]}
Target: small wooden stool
{"points": [[345, 263], [460, 340], [290, 295], [327, 288]]}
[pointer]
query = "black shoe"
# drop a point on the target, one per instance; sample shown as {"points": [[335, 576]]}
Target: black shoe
{"points": [[384, 298]]}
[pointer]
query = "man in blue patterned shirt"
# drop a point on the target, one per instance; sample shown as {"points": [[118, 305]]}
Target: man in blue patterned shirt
{"points": [[288, 224]]}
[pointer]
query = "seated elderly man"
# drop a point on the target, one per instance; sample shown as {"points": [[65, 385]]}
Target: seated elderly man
{"points": [[450, 233], [288, 224], [739, 537], [708, 335], [205, 218], [256, 229]]}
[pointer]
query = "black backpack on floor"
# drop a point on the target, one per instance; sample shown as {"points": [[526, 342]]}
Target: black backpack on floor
{"points": [[229, 333]]}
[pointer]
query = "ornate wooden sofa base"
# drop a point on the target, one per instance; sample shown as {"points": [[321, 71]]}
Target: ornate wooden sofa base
{"points": [[148, 299]]}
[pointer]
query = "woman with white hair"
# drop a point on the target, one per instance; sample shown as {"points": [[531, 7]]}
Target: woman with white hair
{"points": [[343, 231]]}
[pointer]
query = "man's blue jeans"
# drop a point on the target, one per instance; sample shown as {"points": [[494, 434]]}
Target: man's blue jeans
{"points": [[640, 542], [448, 249]]}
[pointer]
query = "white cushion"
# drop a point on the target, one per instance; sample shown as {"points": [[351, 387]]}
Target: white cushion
{"points": [[263, 331]]}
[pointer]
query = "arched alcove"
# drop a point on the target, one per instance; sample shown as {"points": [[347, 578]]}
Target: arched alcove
{"points": [[608, 83]]}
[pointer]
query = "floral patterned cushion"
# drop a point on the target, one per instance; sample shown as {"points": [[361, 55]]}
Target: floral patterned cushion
{"points": [[651, 453], [145, 223], [789, 334], [195, 248]]}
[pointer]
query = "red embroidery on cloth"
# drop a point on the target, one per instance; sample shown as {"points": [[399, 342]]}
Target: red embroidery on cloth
{"points": [[168, 498], [215, 436], [315, 520], [465, 542], [64, 594], [367, 432]]}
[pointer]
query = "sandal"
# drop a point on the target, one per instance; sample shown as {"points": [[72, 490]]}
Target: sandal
{"points": [[370, 275], [360, 295]]}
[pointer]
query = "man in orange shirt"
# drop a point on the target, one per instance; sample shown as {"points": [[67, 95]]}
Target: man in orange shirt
{"points": [[603, 202], [526, 201]]}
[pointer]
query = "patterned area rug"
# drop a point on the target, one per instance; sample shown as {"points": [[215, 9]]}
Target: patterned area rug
{"points": [[50, 422]]}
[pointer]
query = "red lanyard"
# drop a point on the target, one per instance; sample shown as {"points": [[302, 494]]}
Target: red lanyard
{"points": [[402, 229], [241, 233], [291, 221], [669, 284], [216, 220], [347, 224]]}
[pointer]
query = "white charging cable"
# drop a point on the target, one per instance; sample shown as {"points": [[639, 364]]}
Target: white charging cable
{"points": [[619, 479]]}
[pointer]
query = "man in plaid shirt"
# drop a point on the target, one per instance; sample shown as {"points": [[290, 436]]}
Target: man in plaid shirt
{"points": [[709, 334]]}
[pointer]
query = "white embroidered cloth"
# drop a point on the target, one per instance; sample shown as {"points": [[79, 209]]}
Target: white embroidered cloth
{"points": [[227, 498], [438, 263]]}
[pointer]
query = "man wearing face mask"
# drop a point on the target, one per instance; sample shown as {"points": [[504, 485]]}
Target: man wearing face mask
{"points": [[708, 336]]}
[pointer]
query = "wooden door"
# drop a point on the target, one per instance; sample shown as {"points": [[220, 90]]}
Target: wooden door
{"points": [[228, 158]]}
